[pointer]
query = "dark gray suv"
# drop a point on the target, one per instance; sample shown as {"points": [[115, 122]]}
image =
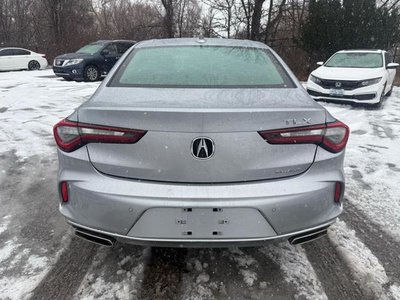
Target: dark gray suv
{"points": [[92, 61]]}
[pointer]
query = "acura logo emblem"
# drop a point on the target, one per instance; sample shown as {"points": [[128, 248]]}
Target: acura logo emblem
{"points": [[338, 84], [202, 148]]}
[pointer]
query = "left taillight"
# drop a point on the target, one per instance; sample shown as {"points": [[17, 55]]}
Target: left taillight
{"points": [[64, 191], [71, 135], [332, 136]]}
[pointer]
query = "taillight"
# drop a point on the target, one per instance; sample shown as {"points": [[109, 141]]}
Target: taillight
{"points": [[338, 191], [332, 136], [70, 135], [64, 191]]}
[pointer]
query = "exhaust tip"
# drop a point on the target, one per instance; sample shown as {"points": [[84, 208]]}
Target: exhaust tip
{"points": [[95, 237], [308, 236]]}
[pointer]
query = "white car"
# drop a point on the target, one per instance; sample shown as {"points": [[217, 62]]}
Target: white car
{"points": [[21, 59], [360, 76]]}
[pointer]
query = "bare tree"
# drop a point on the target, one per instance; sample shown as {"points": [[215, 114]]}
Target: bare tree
{"points": [[224, 16], [169, 17]]}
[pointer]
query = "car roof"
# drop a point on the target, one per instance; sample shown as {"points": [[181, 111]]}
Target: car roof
{"points": [[203, 41], [362, 51], [111, 41], [3, 48]]}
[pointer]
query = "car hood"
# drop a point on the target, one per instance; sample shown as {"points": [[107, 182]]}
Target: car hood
{"points": [[74, 55], [346, 73]]}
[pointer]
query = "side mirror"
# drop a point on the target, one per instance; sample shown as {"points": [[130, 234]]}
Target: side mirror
{"points": [[392, 66], [320, 63], [105, 52]]}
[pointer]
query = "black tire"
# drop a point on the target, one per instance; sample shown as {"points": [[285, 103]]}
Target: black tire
{"points": [[33, 65], [390, 91], [379, 104], [91, 73]]}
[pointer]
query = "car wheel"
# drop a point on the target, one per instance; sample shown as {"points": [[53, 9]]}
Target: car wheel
{"points": [[33, 65], [91, 73], [379, 104], [390, 91]]}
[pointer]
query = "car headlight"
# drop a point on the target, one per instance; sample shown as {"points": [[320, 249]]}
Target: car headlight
{"points": [[315, 79], [370, 81], [70, 62]]}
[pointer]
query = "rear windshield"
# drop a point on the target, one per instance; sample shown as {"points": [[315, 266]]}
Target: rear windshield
{"points": [[201, 66], [355, 60], [90, 49]]}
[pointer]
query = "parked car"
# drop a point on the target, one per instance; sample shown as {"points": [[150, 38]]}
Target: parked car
{"points": [[200, 142], [92, 61], [12, 58], [360, 76]]}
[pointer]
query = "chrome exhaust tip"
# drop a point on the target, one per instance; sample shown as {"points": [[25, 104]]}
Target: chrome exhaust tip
{"points": [[95, 237], [308, 236]]}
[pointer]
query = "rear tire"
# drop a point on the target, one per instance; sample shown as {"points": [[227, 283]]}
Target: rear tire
{"points": [[390, 91], [33, 65], [91, 73]]}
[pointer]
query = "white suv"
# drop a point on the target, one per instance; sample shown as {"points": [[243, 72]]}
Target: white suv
{"points": [[361, 76]]}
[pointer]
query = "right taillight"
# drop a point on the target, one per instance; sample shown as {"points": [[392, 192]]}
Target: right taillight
{"points": [[332, 136], [338, 191], [70, 135]]}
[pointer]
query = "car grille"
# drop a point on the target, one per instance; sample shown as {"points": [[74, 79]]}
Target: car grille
{"points": [[356, 97], [340, 84]]}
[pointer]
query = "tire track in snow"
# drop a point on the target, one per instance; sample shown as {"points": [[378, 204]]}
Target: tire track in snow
{"points": [[233, 273], [297, 270], [66, 275], [332, 271], [162, 277], [381, 244], [115, 273], [364, 265], [35, 230]]}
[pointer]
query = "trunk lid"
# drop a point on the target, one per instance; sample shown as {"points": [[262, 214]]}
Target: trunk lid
{"points": [[174, 118]]}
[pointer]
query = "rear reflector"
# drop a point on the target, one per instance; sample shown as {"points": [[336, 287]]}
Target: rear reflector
{"points": [[332, 136], [64, 191], [70, 136], [338, 192]]}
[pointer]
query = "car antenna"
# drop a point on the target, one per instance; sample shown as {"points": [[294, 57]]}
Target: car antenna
{"points": [[200, 38]]}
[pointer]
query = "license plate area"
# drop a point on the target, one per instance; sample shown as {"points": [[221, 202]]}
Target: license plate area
{"points": [[202, 223], [336, 92]]}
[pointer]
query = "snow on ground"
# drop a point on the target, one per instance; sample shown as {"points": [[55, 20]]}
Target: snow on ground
{"points": [[364, 265], [297, 269], [30, 104], [4, 223], [372, 164], [120, 282]]}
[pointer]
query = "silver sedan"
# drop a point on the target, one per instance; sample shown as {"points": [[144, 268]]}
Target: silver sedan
{"points": [[200, 143]]}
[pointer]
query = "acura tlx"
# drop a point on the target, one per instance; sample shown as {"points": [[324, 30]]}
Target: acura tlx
{"points": [[200, 143]]}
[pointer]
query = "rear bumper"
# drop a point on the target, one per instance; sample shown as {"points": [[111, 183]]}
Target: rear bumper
{"points": [[117, 206], [367, 95], [202, 243]]}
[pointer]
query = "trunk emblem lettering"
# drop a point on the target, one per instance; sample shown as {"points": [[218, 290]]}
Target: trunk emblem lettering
{"points": [[303, 121], [202, 148]]}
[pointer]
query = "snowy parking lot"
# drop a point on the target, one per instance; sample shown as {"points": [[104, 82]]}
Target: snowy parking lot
{"points": [[41, 259]]}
